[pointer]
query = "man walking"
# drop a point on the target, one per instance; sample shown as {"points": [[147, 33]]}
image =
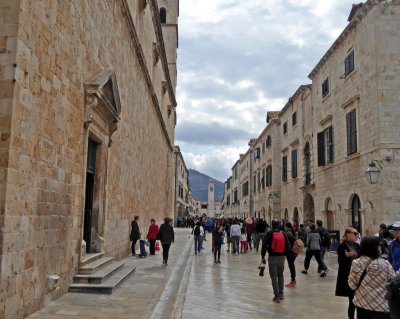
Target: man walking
{"points": [[166, 236], [278, 247], [394, 248], [325, 240]]}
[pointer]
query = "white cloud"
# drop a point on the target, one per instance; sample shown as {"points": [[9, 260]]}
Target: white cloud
{"points": [[239, 59]]}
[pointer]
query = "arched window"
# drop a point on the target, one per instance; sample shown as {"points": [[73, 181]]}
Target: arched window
{"points": [[163, 15], [355, 212]]}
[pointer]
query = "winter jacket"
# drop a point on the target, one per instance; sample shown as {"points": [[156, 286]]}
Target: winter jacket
{"points": [[166, 234], [314, 240], [267, 245], [135, 232], [342, 286], [394, 253]]}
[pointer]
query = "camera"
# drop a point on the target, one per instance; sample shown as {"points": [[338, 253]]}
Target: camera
{"points": [[261, 268]]}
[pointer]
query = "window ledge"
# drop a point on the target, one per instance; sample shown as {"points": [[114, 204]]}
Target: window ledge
{"points": [[353, 156], [348, 76], [305, 187], [326, 96]]}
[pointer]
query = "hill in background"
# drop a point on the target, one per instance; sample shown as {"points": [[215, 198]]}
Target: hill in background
{"points": [[199, 186]]}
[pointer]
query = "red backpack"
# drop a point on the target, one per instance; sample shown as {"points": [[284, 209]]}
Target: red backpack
{"points": [[278, 242]]}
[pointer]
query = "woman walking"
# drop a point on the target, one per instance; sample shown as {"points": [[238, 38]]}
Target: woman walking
{"points": [[152, 236], [314, 249], [166, 236], [291, 257], [347, 251], [218, 234]]}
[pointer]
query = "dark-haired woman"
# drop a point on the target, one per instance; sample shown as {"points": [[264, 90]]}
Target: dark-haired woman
{"points": [[347, 251], [368, 277], [291, 257], [166, 236], [218, 234]]}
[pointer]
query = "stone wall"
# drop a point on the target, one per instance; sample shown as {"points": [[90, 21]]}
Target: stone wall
{"points": [[59, 47]]}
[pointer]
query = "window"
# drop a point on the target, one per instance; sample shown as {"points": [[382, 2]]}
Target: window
{"points": [[228, 184], [245, 189], [285, 128], [268, 141], [256, 153], [235, 195], [284, 168], [325, 87], [325, 146], [263, 179], [294, 163], [307, 165], [294, 118], [263, 147], [268, 175], [349, 63], [259, 181], [163, 15], [211, 189], [254, 183], [235, 171], [351, 125], [228, 200]]}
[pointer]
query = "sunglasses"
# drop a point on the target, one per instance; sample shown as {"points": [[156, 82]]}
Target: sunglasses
{"points": [[354, 233]]}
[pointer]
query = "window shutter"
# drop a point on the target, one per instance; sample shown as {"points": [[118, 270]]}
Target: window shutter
{"points": [[351, 125], [321, 148], [270, 175], [294, 163], [330, 145], [284, 168]]}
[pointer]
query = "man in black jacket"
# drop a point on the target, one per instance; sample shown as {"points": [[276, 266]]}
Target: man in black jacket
{"points": [[278, 247], [166, 236]]}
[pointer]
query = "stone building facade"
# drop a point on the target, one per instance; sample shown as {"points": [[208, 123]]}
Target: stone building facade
{"points": [[183, 204], [87, 109], [330, 131]]}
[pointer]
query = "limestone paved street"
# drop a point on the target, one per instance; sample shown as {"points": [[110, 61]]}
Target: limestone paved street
{"points": [[192, 287]]}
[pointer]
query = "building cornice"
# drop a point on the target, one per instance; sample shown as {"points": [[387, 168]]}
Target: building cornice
{"points": [[358, 17], [296, 94], [142, 62]]}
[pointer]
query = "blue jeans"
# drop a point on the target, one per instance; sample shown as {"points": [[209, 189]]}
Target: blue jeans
{"points": [[235, 244], [198, 242]]}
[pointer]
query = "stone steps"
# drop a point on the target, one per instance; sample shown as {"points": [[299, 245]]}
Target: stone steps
{"points": [[98, 274]]}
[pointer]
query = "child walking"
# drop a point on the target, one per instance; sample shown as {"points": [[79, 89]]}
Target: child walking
{"points": [[243, 240]]}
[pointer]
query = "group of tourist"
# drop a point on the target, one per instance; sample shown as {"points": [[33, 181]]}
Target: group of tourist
{"points": [[362, 274], [165, 234]]}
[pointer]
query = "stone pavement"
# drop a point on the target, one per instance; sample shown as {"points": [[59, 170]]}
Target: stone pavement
{"points": [[192, 287]]}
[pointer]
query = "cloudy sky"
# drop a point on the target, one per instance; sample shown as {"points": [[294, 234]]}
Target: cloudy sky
{"points": [[236, 61]]}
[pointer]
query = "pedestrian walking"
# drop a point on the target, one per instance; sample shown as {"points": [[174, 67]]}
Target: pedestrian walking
{"points": [[278, 246], [218, 235], [314, 249], [228, 236], [347, 251], [243, 240], [235, 237], [325, 240], [249, 230], [152, 236], [394, 248], [197, 232], [260, 227], [291, 257], [135, 233], [368, 277], [166, 236]]}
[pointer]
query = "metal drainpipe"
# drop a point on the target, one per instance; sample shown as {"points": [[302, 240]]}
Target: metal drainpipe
{"points": [[176, 180], [251, 184]]}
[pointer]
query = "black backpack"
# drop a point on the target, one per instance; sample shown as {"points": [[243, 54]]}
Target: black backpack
{"points": [[196, 231], [325, 238]]}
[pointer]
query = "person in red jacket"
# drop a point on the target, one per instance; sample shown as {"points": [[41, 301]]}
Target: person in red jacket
{"points": [[152, 236]]}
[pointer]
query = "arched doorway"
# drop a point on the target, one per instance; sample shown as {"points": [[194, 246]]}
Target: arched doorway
{"points": [[355, 212], [286, 215], [296, 217], [308, 208], [330, 224]]}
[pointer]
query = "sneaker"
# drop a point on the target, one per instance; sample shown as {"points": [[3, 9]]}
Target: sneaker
{"points": [[291, 284], [281, 297], [215, 261], [323, 273], [319, 271], [276, 299], [304, 272], [219, 261]]}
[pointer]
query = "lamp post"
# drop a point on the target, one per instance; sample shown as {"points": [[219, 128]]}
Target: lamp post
{"points": [[372, 172]]}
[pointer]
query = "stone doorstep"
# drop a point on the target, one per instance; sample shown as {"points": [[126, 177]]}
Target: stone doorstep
{"points": [[100, 275], [95, 265], [90, 257], [106, 287]]}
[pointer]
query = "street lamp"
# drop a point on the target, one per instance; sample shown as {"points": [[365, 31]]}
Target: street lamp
{"points": [[372, 172]]}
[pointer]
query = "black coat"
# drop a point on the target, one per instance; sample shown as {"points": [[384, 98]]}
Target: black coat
{"points": [[135, 232], [166, 234], [342, 287]]}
